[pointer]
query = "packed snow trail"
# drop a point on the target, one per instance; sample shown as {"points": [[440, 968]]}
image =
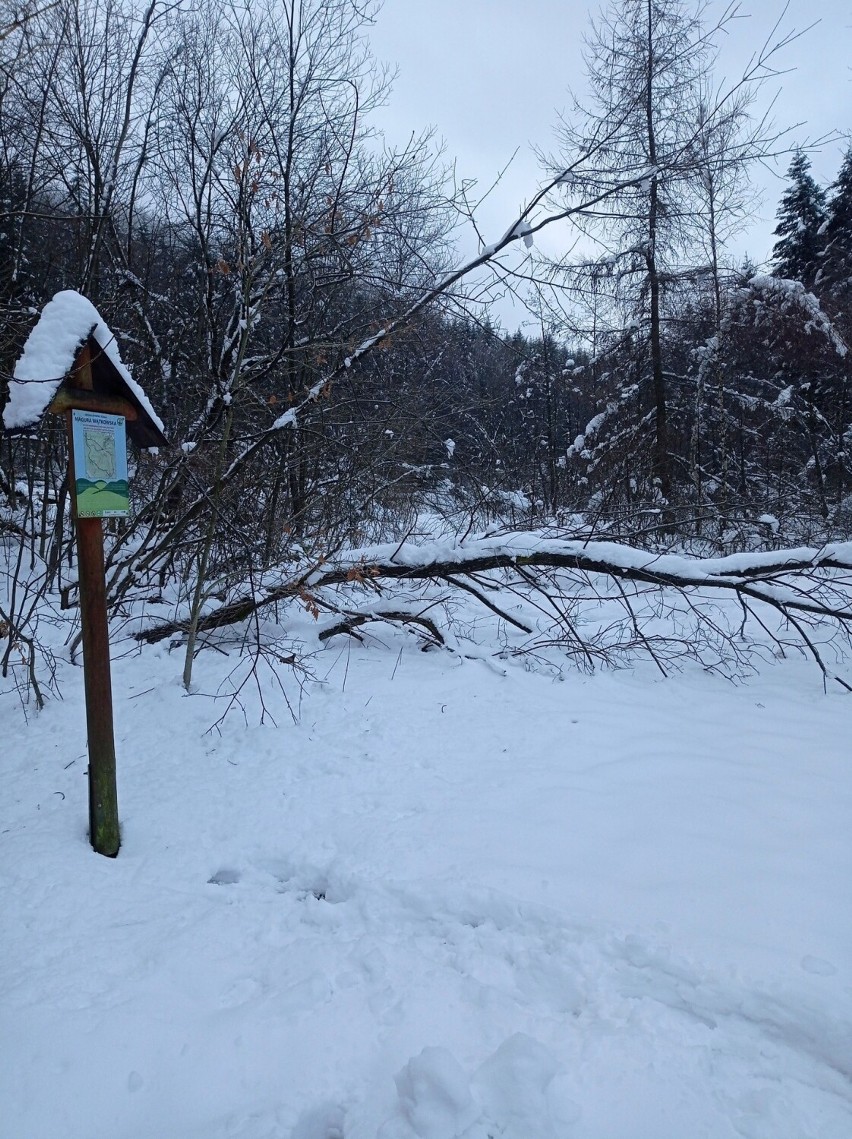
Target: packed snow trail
{"points": [[447, 904]]}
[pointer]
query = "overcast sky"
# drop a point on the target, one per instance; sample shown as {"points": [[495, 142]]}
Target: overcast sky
{"points": [[491, 75]]}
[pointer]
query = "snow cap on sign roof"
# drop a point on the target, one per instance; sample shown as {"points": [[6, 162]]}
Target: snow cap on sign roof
{"points": [[64, 326]]}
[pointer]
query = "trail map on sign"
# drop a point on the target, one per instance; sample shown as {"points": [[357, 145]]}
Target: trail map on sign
{"points": [[100, 453], [100, 465]]}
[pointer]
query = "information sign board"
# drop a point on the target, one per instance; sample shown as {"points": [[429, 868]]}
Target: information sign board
{"points": [[100, 464]]}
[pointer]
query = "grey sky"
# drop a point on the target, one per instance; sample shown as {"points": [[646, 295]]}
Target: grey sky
{"points": [[490, 76]]}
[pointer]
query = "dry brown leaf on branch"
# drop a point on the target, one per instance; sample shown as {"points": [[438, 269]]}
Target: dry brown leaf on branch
{"points": [[310, 603]]}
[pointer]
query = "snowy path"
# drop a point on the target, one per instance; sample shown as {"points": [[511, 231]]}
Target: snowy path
{"points": [[446, 904]]}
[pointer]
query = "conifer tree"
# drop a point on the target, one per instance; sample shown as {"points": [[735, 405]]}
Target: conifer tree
{"points": [[836, 275], [801, 216], [670, 151], [646, 63]]}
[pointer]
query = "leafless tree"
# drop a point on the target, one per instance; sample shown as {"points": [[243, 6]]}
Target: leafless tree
{"points": [[656, 115]]}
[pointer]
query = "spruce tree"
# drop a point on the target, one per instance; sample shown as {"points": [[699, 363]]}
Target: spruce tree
{"points": [[801, 216], [836, 275]]}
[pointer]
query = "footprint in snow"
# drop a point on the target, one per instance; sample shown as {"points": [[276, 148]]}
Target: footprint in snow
{"points": [[240, 992], [818, 966], [323, 1122], [224, 877]]}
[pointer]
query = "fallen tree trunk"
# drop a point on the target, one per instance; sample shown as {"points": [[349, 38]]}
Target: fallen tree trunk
{"points": [[792, 581]]}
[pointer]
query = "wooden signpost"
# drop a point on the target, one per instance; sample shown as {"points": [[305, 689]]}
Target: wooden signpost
{"points": [[71, 366], [77, 394]]}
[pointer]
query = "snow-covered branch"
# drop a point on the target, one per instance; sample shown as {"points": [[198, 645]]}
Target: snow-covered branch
{"points": [[813, 582], [521, 229]]}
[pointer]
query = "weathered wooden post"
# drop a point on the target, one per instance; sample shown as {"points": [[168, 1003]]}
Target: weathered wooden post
{"points": [[71, 367], [103, 796]]}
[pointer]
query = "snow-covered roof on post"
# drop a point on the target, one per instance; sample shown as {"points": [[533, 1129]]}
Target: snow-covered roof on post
{"points": [[66, 323]]}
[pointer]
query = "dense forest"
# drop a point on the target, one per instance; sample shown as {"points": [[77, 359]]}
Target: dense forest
{"points": [[286, 288]]}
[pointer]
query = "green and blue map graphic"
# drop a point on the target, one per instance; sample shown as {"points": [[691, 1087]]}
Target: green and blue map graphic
{"points": [[100, 465]]}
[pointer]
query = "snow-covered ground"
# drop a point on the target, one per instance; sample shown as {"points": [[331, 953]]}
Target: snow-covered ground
{"points": [[448, 902]]}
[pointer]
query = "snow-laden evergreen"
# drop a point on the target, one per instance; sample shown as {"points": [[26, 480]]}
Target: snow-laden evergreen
{"points": [[801, 221], [836, 273]]}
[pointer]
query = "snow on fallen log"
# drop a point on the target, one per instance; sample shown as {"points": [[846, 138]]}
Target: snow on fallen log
{"points": [[529, 547], [791, 581]]}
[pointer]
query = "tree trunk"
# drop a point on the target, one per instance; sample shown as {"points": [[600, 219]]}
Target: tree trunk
{"points": [[661, 430]]}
